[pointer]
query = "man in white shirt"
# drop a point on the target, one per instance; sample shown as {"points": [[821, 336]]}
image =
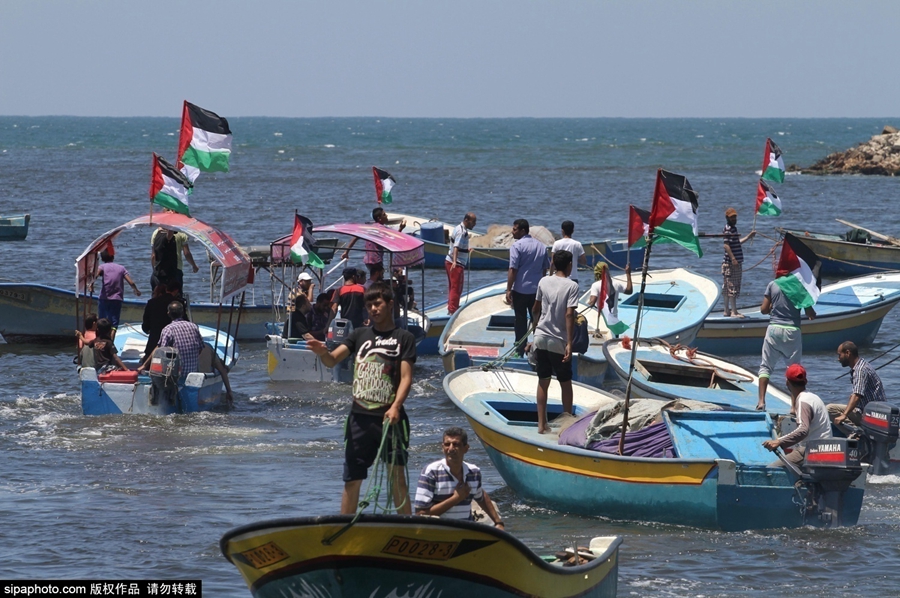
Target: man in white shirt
{"points": [[457, 260], [572, 246], [812, 418]]}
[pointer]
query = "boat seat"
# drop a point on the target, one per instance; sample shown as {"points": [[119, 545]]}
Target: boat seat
{"points": [[133, 350], [476, 343]]}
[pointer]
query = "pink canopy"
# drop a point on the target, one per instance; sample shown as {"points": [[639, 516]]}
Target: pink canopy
{"points": [[405, 250], [236, 270]]}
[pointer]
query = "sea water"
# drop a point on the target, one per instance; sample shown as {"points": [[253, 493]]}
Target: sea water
{"points": [[141, 497]]}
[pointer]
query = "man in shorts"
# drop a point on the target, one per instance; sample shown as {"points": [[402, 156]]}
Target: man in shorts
{"points": [[554, 312], [382, 376]]}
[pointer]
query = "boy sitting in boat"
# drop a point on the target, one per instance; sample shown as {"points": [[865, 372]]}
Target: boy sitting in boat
{"points": [[448, 486], [106, 358], [382, 376]]}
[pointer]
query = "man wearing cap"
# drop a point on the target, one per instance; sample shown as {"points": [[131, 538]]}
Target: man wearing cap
{"points": [[867, 386], [457, 260], [812, 418], [732, 265]]}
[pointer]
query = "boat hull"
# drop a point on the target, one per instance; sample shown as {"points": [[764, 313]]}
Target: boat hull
{"points": [[294, 362], [497, 258], [840, 258], [374, 558], [14, 228], [30, 312], [200, 392], [708, 492]]}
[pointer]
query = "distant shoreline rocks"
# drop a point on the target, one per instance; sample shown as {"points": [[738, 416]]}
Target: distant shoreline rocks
{"points": [[878, 155]]}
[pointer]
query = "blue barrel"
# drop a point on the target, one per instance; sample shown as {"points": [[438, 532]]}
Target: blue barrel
{"points": [[432, 232]]}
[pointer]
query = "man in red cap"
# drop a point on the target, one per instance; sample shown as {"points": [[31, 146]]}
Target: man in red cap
{"points": [[812, 418]]}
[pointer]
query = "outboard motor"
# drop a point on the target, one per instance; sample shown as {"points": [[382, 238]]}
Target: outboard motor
{"points": [[830, 467], [165, 369], [339, 330], [880, 429]]}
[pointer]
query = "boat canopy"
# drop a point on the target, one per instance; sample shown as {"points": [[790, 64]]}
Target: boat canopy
{"points": [[406, 250], [235, 263]]}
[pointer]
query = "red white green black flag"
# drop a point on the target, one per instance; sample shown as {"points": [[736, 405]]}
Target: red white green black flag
{"points": [[169, 187], [607, 302], [299, 253], [773, 163], [767, 203], [384, 182], [205, 142], [674, 212], [798, 273]]}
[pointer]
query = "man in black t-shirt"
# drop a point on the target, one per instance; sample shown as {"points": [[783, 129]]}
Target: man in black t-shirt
{"points": [[382, 376]]}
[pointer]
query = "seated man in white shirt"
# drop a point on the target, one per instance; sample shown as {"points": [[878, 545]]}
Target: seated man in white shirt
{"points": [[812, 418], [448, 486]]}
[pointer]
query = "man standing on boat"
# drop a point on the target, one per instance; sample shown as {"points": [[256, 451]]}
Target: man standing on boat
{"points": [[350, 299], [554, 312], [572, 246], [457, 260], [374, 253], [867, 386], [733, 264], [783, 337], [166, 256], [812, 418], [382, 377], [528, 263], [448, 486]]}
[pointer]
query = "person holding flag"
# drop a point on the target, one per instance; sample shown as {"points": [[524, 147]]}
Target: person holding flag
{"points": [[732, 265], [796, 286], [605, 295]]}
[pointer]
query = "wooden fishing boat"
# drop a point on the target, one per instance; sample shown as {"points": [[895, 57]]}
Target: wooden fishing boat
{"points": [[14, 228], [718, 477], [850, 310], [438, 317], [129, 392], [388, 556], [291, 359], [668, 372], [841, 258], [675, 305], [435, 235], [40, 313], [203, 390]]}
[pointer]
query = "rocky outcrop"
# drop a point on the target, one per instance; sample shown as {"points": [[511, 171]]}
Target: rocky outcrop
{"points": [[500, 235], [878, 155]]}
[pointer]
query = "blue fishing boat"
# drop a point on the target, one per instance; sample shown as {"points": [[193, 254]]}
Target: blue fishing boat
{"points": [[676, 303], [438, 317], [841, 258], [435, 236], [166, 390], [668, 372], [14, 228], [389, 556], [709, 469], [850, 310]]}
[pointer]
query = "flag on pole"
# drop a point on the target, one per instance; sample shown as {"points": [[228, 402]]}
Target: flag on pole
{"points": [[384, 182], [205, 142], [299, 253], [767, 203], [674, 212], [773, 163], [169, 187], [798, 273], [639, 228], [608, 302]]}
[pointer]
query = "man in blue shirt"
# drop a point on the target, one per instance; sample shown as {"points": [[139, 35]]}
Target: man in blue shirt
{"points": [[528, 263]]}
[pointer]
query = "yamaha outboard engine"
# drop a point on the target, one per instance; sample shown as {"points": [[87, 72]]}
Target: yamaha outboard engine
{"points": [[165, 368], [879, 429], [338, 332], [830, 467]]}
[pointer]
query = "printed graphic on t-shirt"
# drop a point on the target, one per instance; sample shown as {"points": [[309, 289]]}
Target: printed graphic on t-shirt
{"points": [[376, 361]]}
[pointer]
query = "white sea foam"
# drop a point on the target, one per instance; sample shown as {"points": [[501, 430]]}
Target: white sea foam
{"points": [[883, 480], [277, 134], [282, 151], [328, 145]]}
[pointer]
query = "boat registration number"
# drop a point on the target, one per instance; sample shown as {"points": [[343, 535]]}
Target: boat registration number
{"points": [[265, 555], [420, 549]]}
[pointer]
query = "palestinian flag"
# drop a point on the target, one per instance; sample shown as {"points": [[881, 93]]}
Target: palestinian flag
{"points": [[608, 302], [638, 226], [205, 143], [767, 203], [384, 182], [674, 212], [169, 187], [773, 163], [299, 253], [798, 273]]}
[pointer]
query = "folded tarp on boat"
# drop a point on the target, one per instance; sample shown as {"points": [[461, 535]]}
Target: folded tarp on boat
{"points": [[651, 441]]}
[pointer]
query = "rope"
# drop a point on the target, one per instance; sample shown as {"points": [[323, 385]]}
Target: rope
{"points": [[503, 359], [691, 358], [771, 252], [376, 482]]}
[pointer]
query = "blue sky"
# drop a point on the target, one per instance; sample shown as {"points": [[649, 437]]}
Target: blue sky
{"points": [[483, 58]]}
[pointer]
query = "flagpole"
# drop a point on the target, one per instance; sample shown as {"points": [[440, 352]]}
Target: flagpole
{"points": [[637, 335], [754, 228]]}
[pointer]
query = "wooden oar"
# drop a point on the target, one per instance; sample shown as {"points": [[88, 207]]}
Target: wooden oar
{"points": [[889, 239]]}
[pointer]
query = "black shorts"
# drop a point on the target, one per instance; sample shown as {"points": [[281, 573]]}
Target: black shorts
{"points": [[362, 437], [551, 364]]}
